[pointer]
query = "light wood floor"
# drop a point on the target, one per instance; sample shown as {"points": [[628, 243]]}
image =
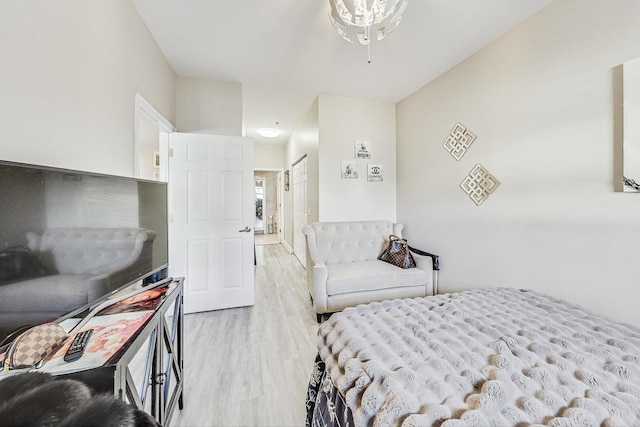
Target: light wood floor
{"points": [[266, 239], [250, 366]]}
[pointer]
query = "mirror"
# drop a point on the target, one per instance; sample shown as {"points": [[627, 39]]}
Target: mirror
{"points": [[260, 203], [631, 127]]}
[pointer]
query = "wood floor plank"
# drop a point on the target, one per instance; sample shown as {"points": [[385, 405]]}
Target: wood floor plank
{"points": [[250, 366]]}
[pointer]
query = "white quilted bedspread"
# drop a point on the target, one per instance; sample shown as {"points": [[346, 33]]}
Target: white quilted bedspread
{"points": [[488, 357]]}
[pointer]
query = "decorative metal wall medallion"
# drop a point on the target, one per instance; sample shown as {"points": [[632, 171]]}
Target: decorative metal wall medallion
{"points": [[479, 184], [459, 141]]}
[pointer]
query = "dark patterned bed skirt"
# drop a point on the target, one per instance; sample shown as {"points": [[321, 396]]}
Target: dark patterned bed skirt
{"points": [[325, 405]]}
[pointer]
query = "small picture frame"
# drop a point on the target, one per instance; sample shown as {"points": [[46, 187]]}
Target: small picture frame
{"points": [[374, 173], [349, 169], [362, 150], [156, 159]]}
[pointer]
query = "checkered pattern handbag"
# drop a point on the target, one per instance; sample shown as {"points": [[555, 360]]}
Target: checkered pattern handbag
{"points": [[396, 252], [34, 345]]}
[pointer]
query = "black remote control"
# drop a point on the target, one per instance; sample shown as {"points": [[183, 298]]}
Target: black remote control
{"points": [[76, 349]]}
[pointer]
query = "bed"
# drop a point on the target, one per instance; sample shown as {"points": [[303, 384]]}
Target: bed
{"points": [[486, 357]]}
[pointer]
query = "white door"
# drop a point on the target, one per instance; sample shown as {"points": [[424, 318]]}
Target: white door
{"points": [[300, 210], [211, 214]]}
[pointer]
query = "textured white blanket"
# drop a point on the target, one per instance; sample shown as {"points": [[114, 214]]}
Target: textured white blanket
{"points": [[488, 357]]}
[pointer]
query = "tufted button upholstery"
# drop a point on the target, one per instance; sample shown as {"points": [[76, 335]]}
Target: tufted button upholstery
{"points": [[102, 250], [351, 241], [345, 271]]}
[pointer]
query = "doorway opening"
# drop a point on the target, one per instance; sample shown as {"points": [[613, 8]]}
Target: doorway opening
{"points": [[268, 206]]}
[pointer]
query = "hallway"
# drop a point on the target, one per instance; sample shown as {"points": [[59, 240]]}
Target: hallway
{"points": [[266, 239]]}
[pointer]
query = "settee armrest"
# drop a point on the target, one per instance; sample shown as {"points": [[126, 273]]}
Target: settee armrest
{"points": [[310, 234], [317, 272], [318, 291], [435, 260]]}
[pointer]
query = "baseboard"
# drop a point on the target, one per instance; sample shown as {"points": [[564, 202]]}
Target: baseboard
{"points": [[287, 247]]}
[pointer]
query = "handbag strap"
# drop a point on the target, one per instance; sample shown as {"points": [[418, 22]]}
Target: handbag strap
{"points": [[394, 238]]}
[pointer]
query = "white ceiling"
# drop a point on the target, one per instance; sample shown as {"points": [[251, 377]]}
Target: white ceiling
{"points": [[285, 52]]}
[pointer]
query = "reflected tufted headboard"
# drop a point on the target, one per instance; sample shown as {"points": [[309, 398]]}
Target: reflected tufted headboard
{"points": [[85, 250], [337, 242]]}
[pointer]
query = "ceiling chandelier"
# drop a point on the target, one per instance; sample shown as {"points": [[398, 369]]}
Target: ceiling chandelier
{"points": [[362, 19]]}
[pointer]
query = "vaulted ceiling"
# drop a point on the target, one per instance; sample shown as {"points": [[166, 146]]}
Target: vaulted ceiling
{"points": [[285, 52]]}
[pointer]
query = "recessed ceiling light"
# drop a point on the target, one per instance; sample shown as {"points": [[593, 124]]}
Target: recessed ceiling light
{"points": [[269, 132]]}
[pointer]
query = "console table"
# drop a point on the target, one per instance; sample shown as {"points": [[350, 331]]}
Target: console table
{"points": [[136, 350]]}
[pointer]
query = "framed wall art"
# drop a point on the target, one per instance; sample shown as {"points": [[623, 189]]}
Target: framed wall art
{"points": [[362, 150], [374, 173], [349, 169]]}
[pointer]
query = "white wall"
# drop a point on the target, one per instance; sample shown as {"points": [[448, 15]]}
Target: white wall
{"points": [[326, 135], [268, 156], [208, 106], [342, 121], [304, 141], [544, 102], [70, 71]]}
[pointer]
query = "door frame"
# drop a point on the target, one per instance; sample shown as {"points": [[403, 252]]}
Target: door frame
{"points": [[280, 198], [145, 111], [264, 226], [293, 204]]}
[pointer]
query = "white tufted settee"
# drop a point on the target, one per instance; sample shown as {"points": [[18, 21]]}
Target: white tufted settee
{"points": [[343, 268], [79, 264]]}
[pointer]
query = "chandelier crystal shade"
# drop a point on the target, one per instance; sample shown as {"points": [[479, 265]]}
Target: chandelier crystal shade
{"points": [[357, 19]]}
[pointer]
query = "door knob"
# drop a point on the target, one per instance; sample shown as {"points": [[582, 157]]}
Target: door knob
{"points": [[246, 230]]}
